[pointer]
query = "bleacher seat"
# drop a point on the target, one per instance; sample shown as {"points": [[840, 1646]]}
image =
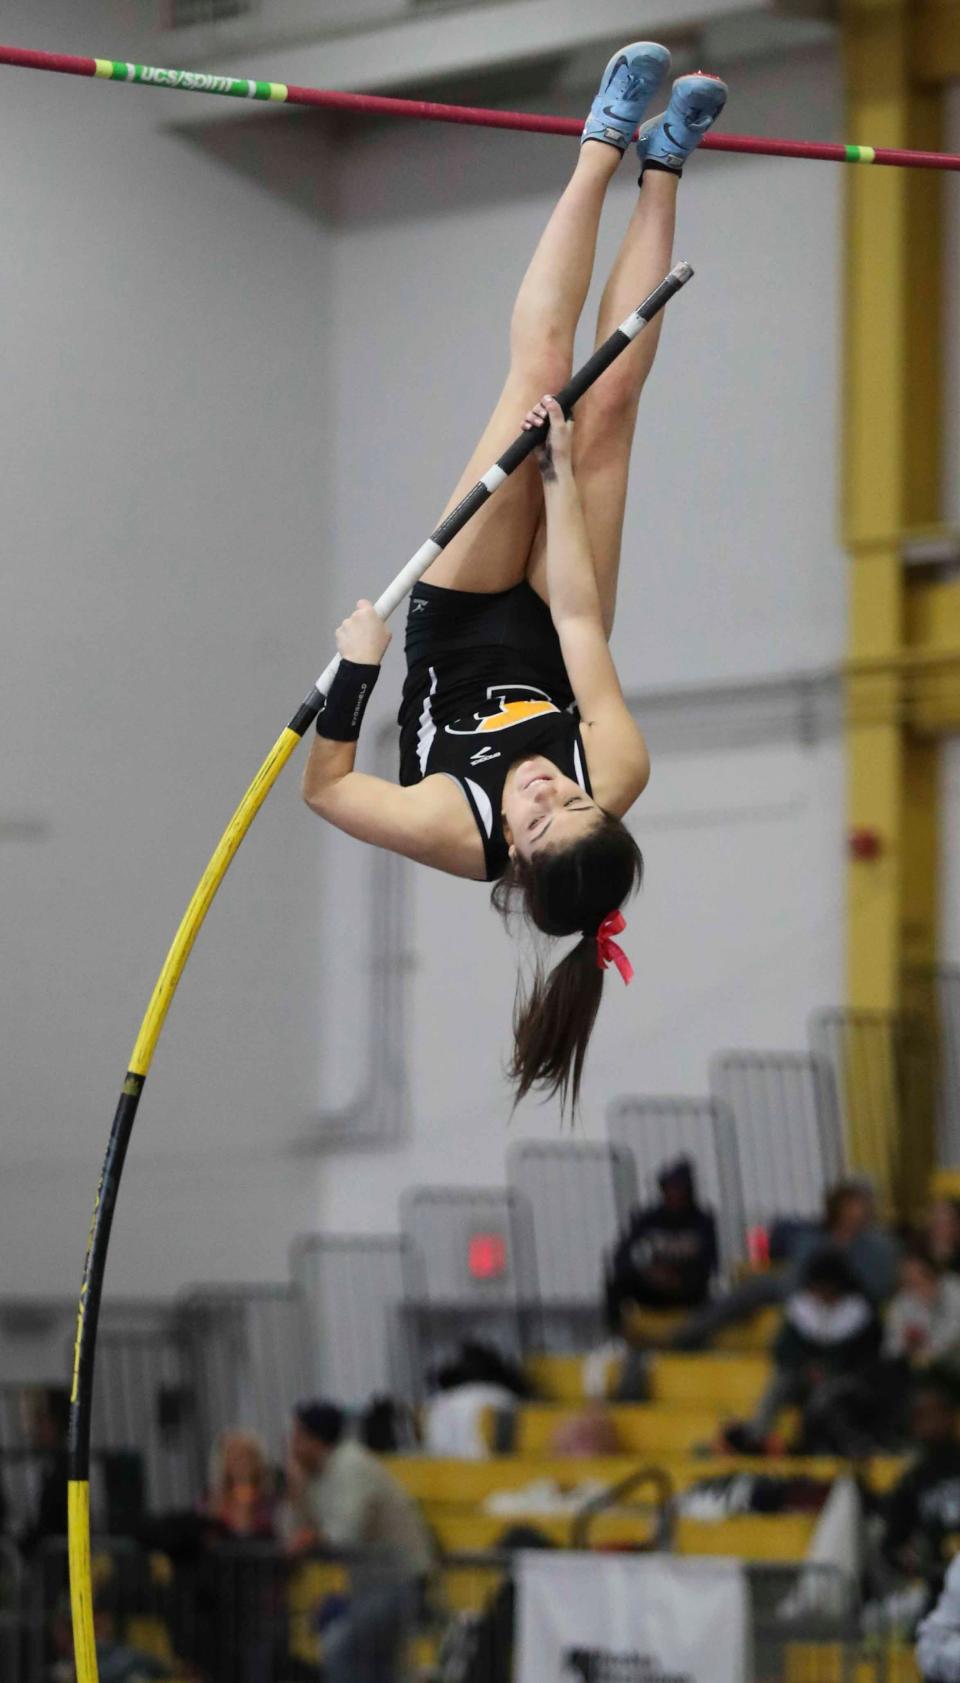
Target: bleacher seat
{"points": [[836, 1662], [732, 1384], [773, 1537], [656, 1326], [642, 1428], [437, 1483]]}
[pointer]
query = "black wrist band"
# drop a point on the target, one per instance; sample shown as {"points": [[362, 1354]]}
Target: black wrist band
{"points": [[343, 711]]}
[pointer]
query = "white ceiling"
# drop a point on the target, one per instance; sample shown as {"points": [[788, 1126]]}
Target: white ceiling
{"points": [[400, 44]]}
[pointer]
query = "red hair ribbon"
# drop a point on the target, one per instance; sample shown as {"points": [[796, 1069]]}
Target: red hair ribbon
{"points": [[608, 950]]}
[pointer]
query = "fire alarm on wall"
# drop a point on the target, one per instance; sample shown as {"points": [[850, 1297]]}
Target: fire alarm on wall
{"points": [[865, 842]]}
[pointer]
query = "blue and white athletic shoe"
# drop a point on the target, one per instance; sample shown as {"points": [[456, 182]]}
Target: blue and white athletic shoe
{"points": [[695, 104], [628, 84]]}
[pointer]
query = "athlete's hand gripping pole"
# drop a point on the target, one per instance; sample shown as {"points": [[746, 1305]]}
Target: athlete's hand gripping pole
{"points": [[161, 999]]}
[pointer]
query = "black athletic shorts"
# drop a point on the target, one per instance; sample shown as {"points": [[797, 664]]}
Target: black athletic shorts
{"points": [[441, 622], [460, 643]]}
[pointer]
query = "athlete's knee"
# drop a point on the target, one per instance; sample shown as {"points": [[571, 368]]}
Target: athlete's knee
{"points": [[541, 361], [608, 413]]}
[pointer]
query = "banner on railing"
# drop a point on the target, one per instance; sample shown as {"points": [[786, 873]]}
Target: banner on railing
{"points": [[601, 1618]]}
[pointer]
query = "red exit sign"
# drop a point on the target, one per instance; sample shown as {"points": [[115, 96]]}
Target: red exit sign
{"points": [[487, 1256]]}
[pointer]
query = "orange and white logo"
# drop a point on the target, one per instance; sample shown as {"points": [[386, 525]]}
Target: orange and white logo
{"points": [[506, 710]]}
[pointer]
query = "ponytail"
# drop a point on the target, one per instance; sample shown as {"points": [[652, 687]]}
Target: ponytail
{"points": [[563, 892], [553, 1022]]}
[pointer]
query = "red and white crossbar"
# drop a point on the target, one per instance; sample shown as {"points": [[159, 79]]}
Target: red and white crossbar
{"points": [[429, 111]]}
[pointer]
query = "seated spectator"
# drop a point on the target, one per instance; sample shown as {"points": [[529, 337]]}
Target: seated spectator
{"points": [[667, 1258], [923, 1321], [463, 1392], [241, 1498], [227, 1609], [826, 1362], [922, 1512], [941, 1232], [849, 1226], [343, 1498]]}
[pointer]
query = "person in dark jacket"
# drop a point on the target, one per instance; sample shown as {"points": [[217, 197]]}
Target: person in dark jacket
{"points": [[922, 1512], [826, 1360], [849, 1224], [668, 1256]]}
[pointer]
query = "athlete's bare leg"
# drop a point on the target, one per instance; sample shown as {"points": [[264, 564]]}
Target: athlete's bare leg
{"points": [[605, 418], [493, 551]]}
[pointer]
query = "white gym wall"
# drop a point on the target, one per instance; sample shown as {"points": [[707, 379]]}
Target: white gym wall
{"points": [[244, 359]]}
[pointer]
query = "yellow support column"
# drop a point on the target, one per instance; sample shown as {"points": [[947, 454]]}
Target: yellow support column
{"points": [[892, 448]]}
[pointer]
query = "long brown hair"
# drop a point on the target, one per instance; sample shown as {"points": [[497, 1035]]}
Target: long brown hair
{"points": [[563, 892]]}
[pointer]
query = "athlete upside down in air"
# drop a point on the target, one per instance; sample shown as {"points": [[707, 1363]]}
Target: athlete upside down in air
{"points": [[518, 756]]}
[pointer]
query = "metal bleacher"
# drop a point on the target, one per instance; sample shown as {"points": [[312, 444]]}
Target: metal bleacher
{"points": [[883, 1065], [578, 1195], [472, 1266], [789, 1143], [352, 1289], [246, 1351]]}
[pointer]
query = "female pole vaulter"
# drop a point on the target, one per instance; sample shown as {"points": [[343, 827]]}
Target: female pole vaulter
{"points": [[518, 756]]}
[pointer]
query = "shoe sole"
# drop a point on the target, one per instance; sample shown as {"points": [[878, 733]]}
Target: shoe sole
{"points": [[660, 122]]}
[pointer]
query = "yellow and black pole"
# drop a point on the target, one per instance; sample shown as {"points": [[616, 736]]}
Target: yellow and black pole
{"points": [[78, 1502]]}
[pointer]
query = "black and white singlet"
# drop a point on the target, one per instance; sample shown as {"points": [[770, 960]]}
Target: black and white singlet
{"points": [[485, 687]]}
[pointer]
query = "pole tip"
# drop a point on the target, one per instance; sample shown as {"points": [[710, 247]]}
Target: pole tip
{"points": [[682, 272]]}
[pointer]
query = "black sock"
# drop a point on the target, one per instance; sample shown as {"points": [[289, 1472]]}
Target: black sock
{"points": [[654, 163]]}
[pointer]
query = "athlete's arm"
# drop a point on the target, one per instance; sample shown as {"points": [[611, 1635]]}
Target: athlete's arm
{"points": [[617, 756], [363, 638], [429, 822]]}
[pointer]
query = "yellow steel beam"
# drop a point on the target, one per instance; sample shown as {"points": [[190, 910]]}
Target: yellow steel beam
{"points": [[891, 484], [933, 616], [936, 42], [902, 667]]}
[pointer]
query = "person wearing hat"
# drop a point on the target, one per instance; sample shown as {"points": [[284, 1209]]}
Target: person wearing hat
{"points": [[343, 1498], [667, 1257]]}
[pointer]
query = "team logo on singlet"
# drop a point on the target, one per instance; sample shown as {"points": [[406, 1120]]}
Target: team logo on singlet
{"points": [[507, 705]]}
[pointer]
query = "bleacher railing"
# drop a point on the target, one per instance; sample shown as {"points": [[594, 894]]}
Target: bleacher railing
{"points": [[579, 1195], [472, 1272], [352, 1289], [933, 993], [250, 1614], [790, 1147], [247, 1356], [884, 1071]]}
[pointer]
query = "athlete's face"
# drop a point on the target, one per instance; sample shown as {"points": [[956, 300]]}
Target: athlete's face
{"points": [[544, 810]]}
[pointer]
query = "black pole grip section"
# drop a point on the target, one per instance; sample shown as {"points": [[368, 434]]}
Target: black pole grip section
{"points": [[88, 1312], [458, 517], [600, 361], [307, 711], [668, 288]]}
